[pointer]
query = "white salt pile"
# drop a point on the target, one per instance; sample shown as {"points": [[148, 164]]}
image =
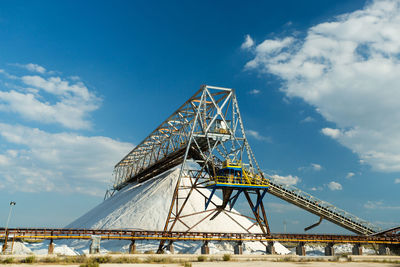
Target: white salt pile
{"points": [[318, 250], [145, 207]]}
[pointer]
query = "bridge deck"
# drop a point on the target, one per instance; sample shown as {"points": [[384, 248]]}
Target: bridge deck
{"points": [[123, 234]]}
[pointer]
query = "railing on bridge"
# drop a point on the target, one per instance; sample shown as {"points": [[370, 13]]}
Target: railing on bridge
{"points": [[321, 208]]}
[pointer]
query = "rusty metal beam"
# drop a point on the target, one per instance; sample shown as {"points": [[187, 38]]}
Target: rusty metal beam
{"points": [[124, 234]]}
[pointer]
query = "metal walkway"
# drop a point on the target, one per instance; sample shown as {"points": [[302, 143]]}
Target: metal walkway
{"points": [[126, 234], [322, 208], [194, 125]]}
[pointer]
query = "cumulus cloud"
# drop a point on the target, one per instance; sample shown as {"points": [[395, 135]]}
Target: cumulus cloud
{"points": [[63, 162], [350, 174], [335, 186], [286, 180], [34, 160], [248, 42], [258, 136], [32, 67], [397, 181], [70, 106], [348, 69]]}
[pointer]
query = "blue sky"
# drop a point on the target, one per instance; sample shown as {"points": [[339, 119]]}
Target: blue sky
{"points": [[81, 83]]}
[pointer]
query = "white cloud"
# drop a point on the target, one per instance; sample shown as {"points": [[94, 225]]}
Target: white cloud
{"points": [[316, 188], [379, 205], [33, 67], [58, 86], [316, 167], [254, 92], [312, 166], [61, 162], [248, 42], [335, 186], [334, 133], [286, 180], [258, 136], [72, 101], [308, 119], [3, 160], [397, 181], [350, 174], [348, 70]]}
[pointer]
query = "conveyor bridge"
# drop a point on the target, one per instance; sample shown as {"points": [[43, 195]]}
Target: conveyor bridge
{"points": [[12, 234], [208, 130]]}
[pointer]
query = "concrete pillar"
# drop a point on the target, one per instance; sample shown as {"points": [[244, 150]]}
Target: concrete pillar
{"points": [[51, 247], [300, 249], [132, 247], [204, 248], [238, 248], [170, 247], [329, 250], [395, 249], [95, 244], [270, 249], [357, 249], [384, 249]]}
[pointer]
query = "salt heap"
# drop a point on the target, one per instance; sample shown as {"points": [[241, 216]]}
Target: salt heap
{"points": [[145, 206]]}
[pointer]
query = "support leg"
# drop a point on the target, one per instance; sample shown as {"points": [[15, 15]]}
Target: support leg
{"points": [[329, 250], [170, 247], [204, 248], [256, 215], [51, 247], [5, 243], [132, 247], [357, 249], [384, 249], [238, 248], [300, 249], [264, 215], [270, 249]]}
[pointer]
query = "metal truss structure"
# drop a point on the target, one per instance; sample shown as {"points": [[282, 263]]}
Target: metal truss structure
{"points": [[203, 134], [123, 234]]}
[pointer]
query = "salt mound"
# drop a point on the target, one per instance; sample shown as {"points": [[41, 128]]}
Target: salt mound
{"points": [[318, 250], [18, 248], [145, 206]]}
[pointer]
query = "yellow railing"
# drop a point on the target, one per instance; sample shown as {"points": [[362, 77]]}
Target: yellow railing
{"points": [[234, 180], [232, 164]]}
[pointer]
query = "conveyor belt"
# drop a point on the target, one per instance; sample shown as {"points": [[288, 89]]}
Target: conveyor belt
{"points": [[322, 209]]}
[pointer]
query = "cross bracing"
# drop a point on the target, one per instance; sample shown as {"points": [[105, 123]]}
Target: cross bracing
{"points": [[208, 130]]}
